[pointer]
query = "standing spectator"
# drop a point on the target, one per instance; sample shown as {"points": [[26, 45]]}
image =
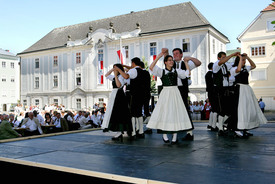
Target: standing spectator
{"points": [[207, 109], [196, 111], [262, 105]]}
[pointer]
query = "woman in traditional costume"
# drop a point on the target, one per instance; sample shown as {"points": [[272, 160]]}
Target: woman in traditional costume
{"points": [[170, 115], [117, 117], [249, 114]]}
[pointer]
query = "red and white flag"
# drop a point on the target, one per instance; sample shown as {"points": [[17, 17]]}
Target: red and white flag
{"points": [[122, 55], [100, 72]]}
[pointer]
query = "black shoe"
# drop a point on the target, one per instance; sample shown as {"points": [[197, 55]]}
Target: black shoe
{"points": [[165, 141], [140, 136], [148, 131], [214, 129], [188, 137], [221, 133], [209, 127], [247, 133], [118, 138], [176, 142], [132, 138]]}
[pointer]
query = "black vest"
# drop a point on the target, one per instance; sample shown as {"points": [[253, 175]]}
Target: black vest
{"points": [[219, 76], [209, 81], [242, 77], [183, 81], [137, 84]]}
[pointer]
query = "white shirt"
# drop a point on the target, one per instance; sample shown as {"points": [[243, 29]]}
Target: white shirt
{"points": [[233, 70], [40, 119], [96, 119], [82, 122], [133, 72], [191, 67], [57, 123], [157, 71], [31, 125], [217, 68], [120, 78]]}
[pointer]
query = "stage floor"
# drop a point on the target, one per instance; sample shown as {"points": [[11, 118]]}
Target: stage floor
{"points": [[207, 159]]}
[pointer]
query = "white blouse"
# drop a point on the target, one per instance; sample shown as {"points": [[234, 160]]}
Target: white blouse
{"points": [[157, 71], [120, 78]]}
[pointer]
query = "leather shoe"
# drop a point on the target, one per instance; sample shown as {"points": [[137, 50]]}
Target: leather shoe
{"points": [[188, 137], [165, 141]]}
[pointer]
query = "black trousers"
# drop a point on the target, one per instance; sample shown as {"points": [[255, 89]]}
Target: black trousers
{"points": [[136, 105], [146, 101]]}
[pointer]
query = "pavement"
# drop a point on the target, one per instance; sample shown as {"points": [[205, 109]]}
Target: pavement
{"points": [[207, 159]]}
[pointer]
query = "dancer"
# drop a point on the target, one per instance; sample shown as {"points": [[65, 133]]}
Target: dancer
{"points": [[184, 83], [209, 88], [137, 95], [248, 113], [117, 117], [170, 114], [223, 89]]}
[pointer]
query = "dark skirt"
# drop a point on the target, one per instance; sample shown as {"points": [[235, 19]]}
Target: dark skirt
{"points": [[120, 118]]}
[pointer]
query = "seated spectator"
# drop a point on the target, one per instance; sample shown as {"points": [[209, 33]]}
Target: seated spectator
{"points": [[60, 123], [96, 119], [6, 131], [32, 125], [84, 121], [48, 119], [13, 122], [196, 111], [38, 117], [78, 116], [70, 120]]}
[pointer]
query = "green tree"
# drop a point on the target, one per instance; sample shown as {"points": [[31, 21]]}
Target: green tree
{"points": [[153, 82]]}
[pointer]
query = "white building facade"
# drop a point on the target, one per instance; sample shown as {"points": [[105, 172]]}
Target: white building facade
{"points": [[10, 80], [71, 71]]}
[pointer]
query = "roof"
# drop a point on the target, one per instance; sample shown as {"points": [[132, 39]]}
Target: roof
{"points": [[7, 54], [269, 7], [151, 21]]}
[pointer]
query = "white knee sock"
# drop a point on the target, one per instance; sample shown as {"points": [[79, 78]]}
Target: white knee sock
{"points": [[140, 124], [214, 120], [174, 137], [165, 137], [210, 118], [118, 134], [189, 132], [134, 126], [221, 122]]}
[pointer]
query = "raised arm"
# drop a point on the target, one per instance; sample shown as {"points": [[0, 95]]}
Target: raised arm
{"points": [[194, 60], [252, 64], [118, 84], [240, 65], [123, 74], [109, 72], [225, 59], [164, 52]]}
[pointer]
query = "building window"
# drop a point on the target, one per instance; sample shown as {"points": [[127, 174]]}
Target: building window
{"points": [[78, 58], [270, 26], [12, 64], [100, 66], [3, 64], [258, 51], [36, 102], [153, 48], [37, 63], [4, 78], [126, 51], [55, 101], [186, 45], [78, 103], [78, 79], [55, 61], [55, 81], [258, 74], [36, 82], [12, 79]]}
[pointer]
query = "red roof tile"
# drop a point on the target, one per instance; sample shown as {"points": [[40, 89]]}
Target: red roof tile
{"points": [[269, 7]]}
